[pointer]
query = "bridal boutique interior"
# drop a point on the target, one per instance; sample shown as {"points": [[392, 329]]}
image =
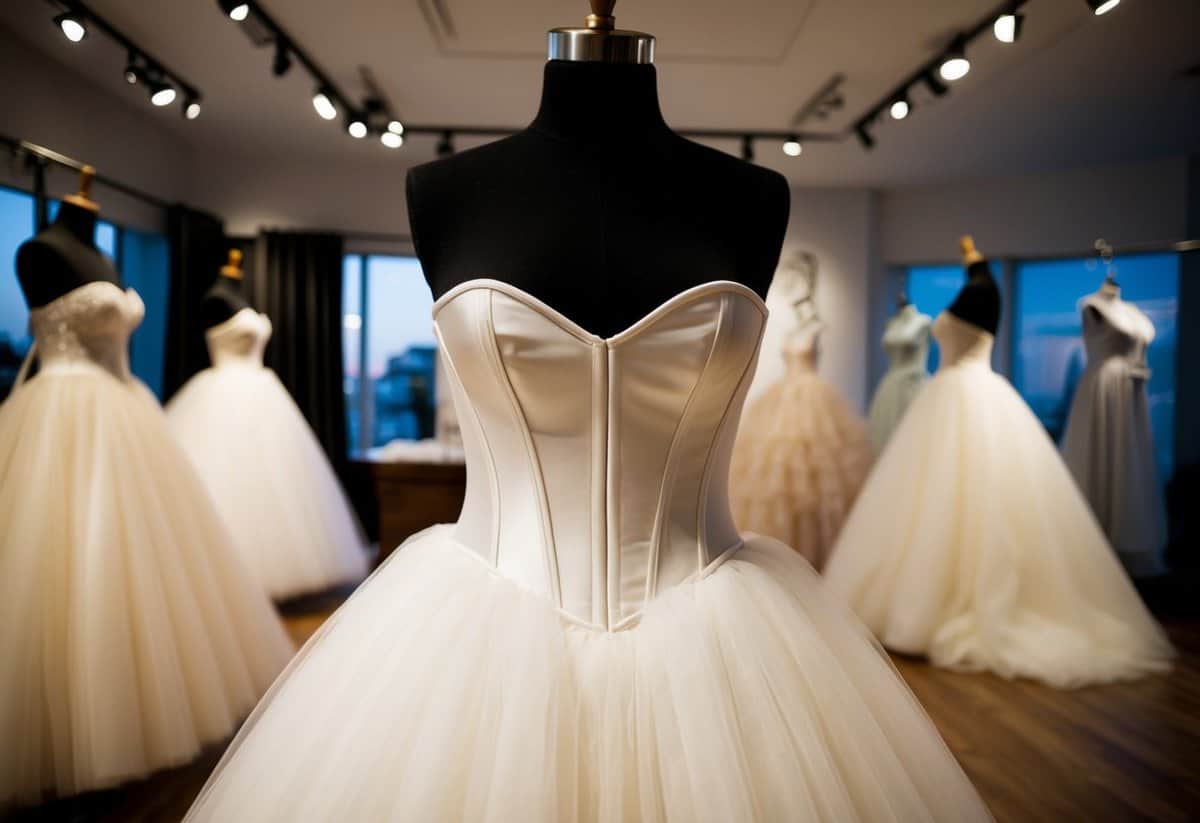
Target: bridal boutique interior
{"points": [[681, 411]]}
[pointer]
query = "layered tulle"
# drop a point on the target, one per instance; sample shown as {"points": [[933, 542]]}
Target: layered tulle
{"points": [[271, 481], [130, 635], [441, 691], [970, 543], [802, 454], [896, 392]]}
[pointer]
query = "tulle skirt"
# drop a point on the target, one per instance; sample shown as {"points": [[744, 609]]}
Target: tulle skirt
{"points": [[971, 544], [270, 479], [801, 456], [1109, 448], [443, 692], [130, 635], [896, 392]]}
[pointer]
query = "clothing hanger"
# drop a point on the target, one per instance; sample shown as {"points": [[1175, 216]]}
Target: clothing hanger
{"points": [[1110, 287]]}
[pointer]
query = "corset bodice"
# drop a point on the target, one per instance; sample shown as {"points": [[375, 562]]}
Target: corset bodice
{"points": [[906, 341], [962, 343], [240, 340], [597, 467], [1116, 330], [89, 326]]}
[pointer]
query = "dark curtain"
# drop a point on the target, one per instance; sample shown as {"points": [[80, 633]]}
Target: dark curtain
{"points": [[197, 243], [296, 278]]}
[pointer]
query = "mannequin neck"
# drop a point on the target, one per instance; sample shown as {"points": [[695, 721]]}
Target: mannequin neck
{"points": [[79, 223], [599, 102]]}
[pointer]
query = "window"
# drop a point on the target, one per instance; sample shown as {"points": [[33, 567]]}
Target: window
{"points": [[389, 350], [1049, 355], [141, 258]]}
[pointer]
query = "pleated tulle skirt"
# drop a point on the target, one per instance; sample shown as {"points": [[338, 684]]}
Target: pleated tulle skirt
{"points": [[270, 479], [130, 634], [971, 543], [801, 456], [443, 692], [896, 392]]}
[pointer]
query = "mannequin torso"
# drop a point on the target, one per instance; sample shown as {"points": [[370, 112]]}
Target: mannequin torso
{"points": [[978, 303], [597, 208], [62, 258]]}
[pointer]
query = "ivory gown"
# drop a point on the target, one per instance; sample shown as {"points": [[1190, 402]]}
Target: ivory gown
{"points": [[130, 633], [971, 543], [801, 456], [592, 640], [272, 482], [1108, 444], [906, 343]]}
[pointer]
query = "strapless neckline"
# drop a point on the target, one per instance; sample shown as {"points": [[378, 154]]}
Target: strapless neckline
{"points": [[78, 292], [567, 324]]}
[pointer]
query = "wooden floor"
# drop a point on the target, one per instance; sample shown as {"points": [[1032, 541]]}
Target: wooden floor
{"points": [[1127, 752]]}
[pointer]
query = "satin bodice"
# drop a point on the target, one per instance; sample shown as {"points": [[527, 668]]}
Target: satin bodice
{"points": [[88, 327], [240, 340], [597, 467], [906, 341], [1116, 334], [961, 343]]}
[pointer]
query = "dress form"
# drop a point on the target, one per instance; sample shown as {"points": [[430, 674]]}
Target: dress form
{"points": [[626, 213], [225, 298], [978, 303], [64, 256]]}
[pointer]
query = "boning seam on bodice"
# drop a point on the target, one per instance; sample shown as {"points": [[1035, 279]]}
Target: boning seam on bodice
{"points": [[545, 521], [666, 486]]}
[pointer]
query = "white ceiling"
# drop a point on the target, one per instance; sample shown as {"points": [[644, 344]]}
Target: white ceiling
{"points": [[1075, 90]]}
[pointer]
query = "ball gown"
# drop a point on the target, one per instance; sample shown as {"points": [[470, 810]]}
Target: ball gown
{"points": [[801, 456], [130, 633], [1108, 443], [592, 640], [906, 344], [271, 480], [971, 543]]}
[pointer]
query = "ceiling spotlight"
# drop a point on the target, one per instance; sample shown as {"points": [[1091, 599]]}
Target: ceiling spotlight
{"points": [[323, 103], [899, 109], [191, 107], [864, 136], [283, 59], [955, 65], [396, 127], [748, 149], [445, 145], [1098, 7], [133, 72], [237, 11], [391, 140], [1007, 27], [357, 127], [936, 87], [161, 93], [792, 147], [73, 27]]}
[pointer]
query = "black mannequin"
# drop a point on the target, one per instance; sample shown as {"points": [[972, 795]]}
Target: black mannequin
{"points": [[225, 298], [597, 208], [64, 256], [978, 303]]}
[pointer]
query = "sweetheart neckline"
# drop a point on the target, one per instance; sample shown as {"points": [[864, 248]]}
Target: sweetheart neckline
{"points": [[124, 290], [220, 326], [569, 325]]}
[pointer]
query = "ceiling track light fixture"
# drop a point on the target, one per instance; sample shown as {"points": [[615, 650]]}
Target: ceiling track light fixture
{"points": [[235, 10], [955, 64], [900, 108], [282, 62], [792, 147], [1007, 27], [356, 126], [864, 136], [445, 144], [323, 97], [748, 148], [78, 20], [1100, 7]]}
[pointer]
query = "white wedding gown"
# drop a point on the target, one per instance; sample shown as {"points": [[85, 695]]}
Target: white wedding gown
{"points": [[592, 640], [266, 470], [971, 542], [130, 634]]}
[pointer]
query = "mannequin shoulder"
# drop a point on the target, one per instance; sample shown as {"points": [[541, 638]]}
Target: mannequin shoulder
{"points": [[47, 270]]}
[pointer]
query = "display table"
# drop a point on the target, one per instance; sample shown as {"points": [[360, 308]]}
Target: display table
{"points": [[414, 496]]}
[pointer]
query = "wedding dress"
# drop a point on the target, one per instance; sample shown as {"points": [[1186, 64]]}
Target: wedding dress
{"points": [[130, 635], [592, 640], [801, 456], [266, 471], [1108, 444], [970, 542], [906, 344]]}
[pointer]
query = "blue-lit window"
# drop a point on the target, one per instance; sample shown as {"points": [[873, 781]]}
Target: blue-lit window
{"points": [[16, 226], [932, 289], [145, 267], [1048, 328], [389, 350]]}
